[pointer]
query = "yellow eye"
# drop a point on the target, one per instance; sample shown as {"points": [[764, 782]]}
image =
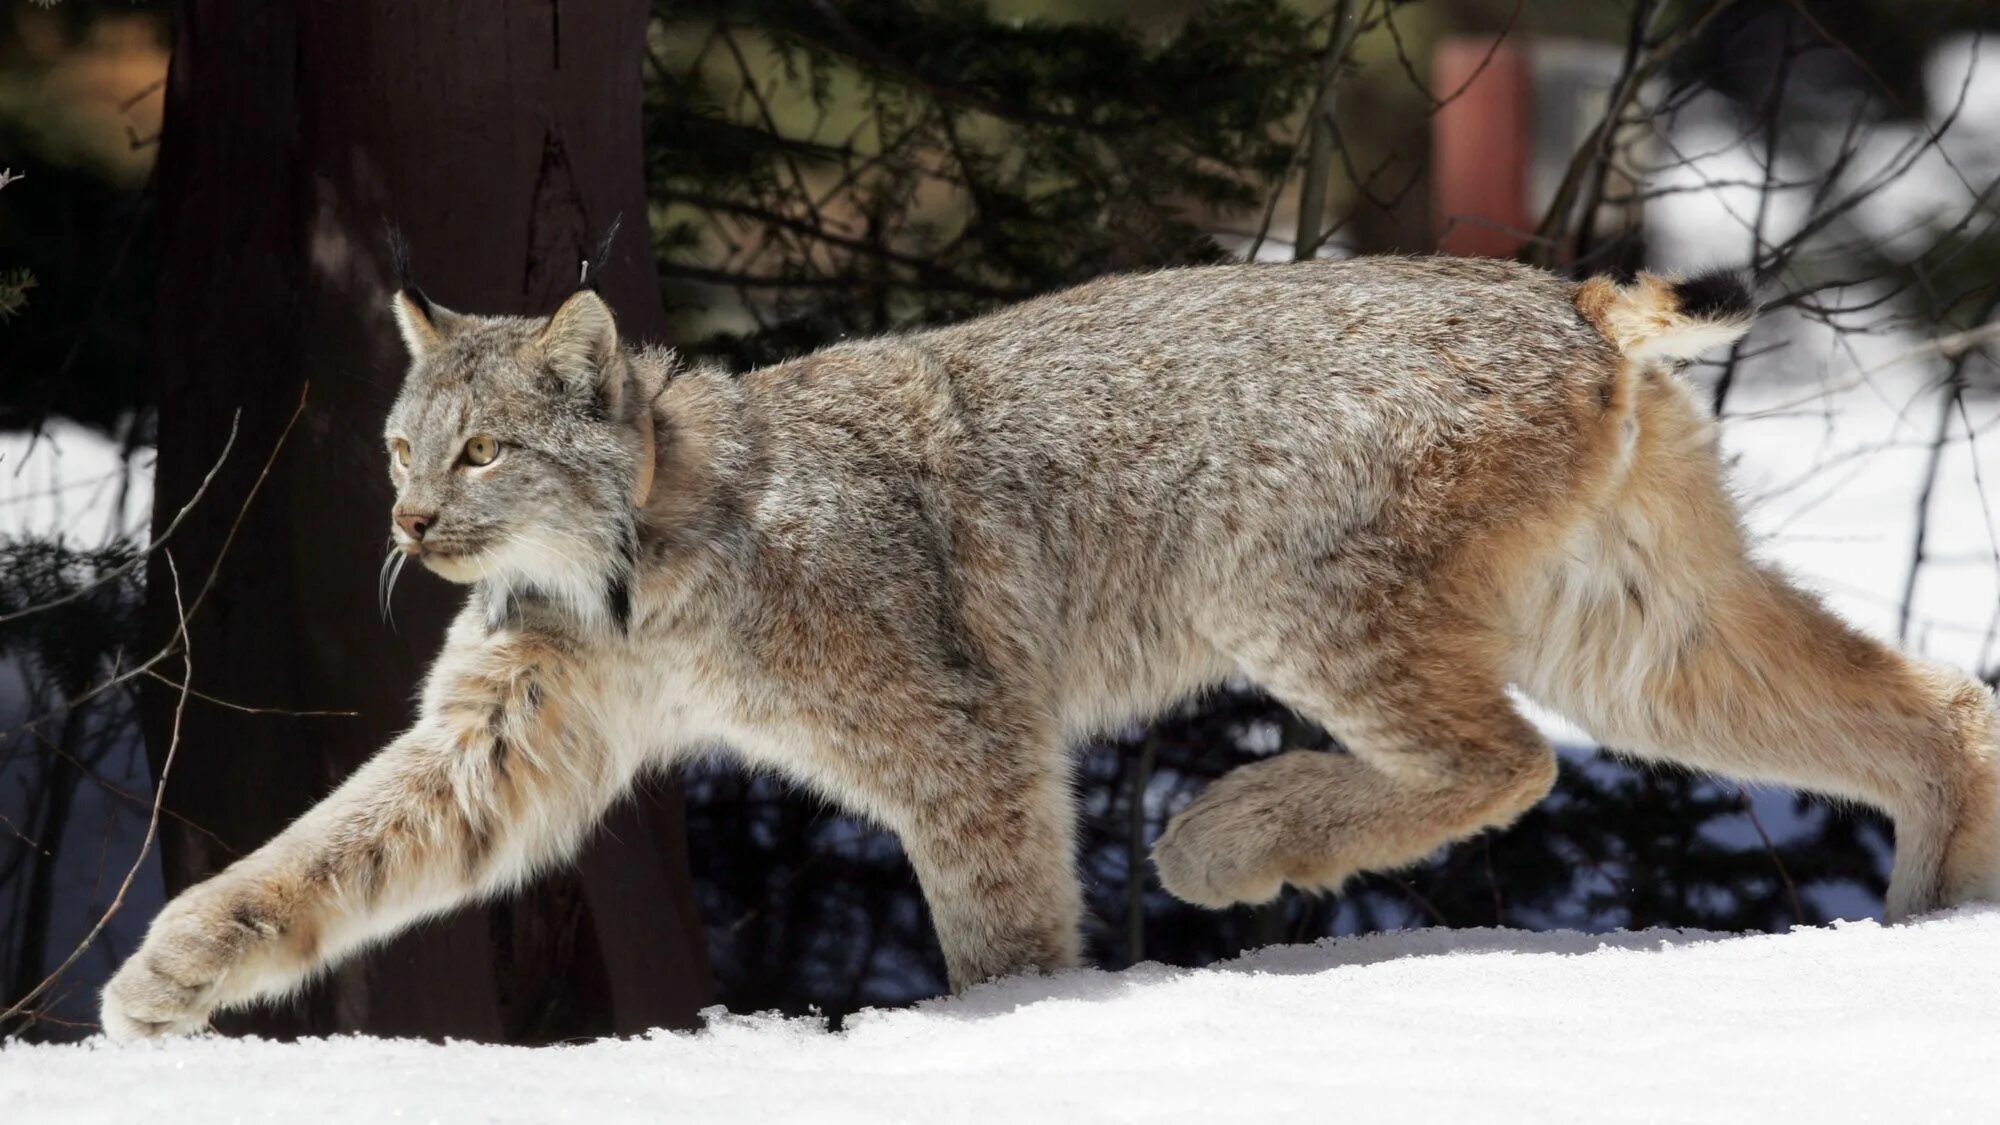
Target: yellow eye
{"points": [[402, 452], [481, 450]]}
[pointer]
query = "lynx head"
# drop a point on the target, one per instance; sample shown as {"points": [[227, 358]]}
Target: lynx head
{"points": [[521, 450]]}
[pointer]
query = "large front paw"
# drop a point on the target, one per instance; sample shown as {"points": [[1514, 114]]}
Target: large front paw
{"points": [[178, 975]]}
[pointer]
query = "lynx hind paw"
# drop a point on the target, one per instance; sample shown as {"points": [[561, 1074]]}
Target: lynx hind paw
{"points": [[1218, 852]]}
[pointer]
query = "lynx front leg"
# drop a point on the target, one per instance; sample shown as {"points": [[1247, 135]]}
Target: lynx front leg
{"points": [[992, 847], [496, 779]]}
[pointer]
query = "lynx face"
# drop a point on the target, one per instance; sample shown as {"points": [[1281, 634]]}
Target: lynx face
{"points": [[514, 446]]}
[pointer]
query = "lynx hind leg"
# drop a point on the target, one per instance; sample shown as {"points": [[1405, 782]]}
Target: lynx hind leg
{"points": [[1753, 679], [1436, 752], [1760, 683], [1656, 632]]}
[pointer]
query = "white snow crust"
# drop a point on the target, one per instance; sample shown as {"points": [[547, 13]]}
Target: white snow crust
{"points": [[1857, 1022]]}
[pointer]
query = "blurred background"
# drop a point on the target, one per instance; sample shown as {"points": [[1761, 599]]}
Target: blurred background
{"points": [[195, 360]]}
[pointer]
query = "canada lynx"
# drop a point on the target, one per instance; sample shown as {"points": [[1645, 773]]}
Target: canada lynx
{"points": [[910, 572]]}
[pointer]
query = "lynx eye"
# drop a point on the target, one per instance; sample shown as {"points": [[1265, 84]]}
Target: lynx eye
{"points": [[401, 450], [481, 450]]}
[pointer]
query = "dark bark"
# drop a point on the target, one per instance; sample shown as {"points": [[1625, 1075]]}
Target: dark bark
{"points": [[502, 140]]}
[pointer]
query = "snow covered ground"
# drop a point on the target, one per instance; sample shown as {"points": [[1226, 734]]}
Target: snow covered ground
{"points": [[1854, 1023]]}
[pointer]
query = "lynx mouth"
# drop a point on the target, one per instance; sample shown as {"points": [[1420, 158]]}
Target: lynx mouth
{"points": [[451, 560], [440, 547], [451, 564], [454, 564]]}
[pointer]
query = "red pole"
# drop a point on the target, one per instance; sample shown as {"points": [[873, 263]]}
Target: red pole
{"points": [[1481, 147]]}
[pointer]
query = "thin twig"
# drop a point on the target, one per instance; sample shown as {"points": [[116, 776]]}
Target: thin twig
{"points": [[19, 1007], [90, 774], [246, 709], [1777, 861], [1135, 849], [1632, 79], [214, 571], [116, 573]]}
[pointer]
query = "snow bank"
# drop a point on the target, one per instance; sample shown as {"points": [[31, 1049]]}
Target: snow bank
{"points": [[73, 482], [1853, 1023]]}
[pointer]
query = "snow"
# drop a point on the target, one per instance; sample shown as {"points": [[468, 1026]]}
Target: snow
{"points": [[72, 481], [1857, 1022]]}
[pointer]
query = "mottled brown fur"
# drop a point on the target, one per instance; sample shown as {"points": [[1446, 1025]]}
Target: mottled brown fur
{"points": [[912, 572]]}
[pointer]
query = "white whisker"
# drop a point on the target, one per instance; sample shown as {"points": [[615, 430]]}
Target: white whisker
{"points": [[392, 569]]}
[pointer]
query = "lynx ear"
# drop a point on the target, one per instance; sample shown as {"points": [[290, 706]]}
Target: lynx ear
{"points": [[581, 339], [422, 324]]}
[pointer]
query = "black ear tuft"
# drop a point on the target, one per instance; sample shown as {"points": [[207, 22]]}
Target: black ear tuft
{"points": [[399, 261], [593, 266], [1717, 294]]}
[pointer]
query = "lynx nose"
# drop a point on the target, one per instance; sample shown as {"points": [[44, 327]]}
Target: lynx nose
{"points": [[414, 524]]}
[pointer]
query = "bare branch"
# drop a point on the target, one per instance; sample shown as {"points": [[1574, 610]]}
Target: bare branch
{"points": [[22, 1005]]}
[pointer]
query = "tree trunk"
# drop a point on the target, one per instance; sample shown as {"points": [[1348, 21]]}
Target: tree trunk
{"points": [[502, 140]]}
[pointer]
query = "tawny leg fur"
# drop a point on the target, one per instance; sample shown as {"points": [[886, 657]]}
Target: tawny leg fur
{"points": [[990, 834], [1435, 753], [1656, 632], [498, 778]]}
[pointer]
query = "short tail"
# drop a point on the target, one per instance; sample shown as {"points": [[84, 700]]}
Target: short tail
{"points": [[1657, 318]]}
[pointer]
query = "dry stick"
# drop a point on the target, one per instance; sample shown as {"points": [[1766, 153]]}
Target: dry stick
{"points": [[1364, 183], [1493, 881], [208, 584], [1597, 143], [115, 574], [1954, 388], [22, 836], [1949, 347], [1135, 851], [20, 1006], [1986, 510], [1889, 93], [180, 639], [1410, 891], [1410, 70], [926, 272], [245, 708], [1774, 111], [1308, 128], [1824, 216], [1791, 889], [771, 124], [1319, 134], [1586, 215], [129, 103], [128, 796], [817, 281], [1277, 192], [1919, 550]]}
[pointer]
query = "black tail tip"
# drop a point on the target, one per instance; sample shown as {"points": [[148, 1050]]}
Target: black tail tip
{"points": [[1718, 294]]}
